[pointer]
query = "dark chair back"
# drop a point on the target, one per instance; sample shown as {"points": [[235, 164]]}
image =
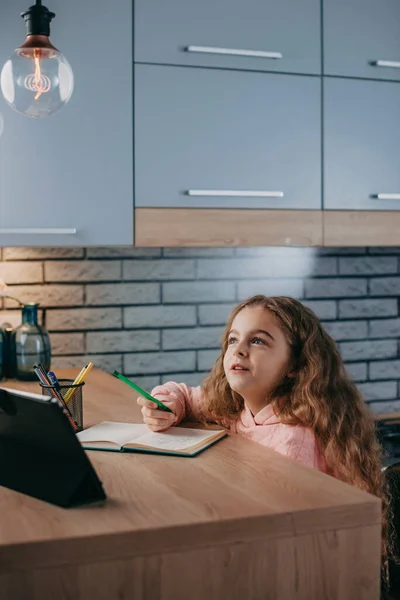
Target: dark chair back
{"points": [[392, 474]]}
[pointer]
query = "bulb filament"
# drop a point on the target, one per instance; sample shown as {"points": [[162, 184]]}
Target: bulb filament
{"points": [[37, 82]]}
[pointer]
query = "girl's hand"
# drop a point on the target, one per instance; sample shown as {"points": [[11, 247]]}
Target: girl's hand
{"points": [[155, 418]]}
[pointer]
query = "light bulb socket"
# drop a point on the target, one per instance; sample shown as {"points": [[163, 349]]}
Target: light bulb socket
{"points": [[37, 19]]}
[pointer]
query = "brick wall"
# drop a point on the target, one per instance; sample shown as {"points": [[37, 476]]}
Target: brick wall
{"points": [[157, 314]]}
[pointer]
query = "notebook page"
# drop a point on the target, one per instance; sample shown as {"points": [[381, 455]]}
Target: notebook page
{"points": [[175, 438], [107, 431]]}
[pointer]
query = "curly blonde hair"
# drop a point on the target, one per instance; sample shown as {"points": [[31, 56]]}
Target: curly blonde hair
{"points": [[320, 396]]}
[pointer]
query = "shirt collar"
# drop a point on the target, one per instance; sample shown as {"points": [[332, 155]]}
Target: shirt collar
{"points": [[265, 416]]}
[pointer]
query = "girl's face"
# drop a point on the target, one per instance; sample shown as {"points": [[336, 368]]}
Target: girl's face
{"points": [[258, 355]]}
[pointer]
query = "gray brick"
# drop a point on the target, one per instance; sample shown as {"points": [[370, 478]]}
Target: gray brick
{"points": [[252, 252], [367, 307], [335, 288], [67, 343], [384, 369], [123, 252], [368, 350], [137, 270], [384, 286], [382, 390], [147, 382], [21, 272], [384, 328], [197, 252], [367, 265], [198, 291], [357, 371], [324, 266], [41, 253], [288, 252], [271, 287], [324, 309], [347, 330], [83, 270], [123, 341], [159, 362], [384, 250], [206, 359], [105, 362], [199, 337], [191, 379], [248, 268], [83, 319], [46, 295], [384, 408], [123, 293], [341, 251], [215, 314], [159, 316]]}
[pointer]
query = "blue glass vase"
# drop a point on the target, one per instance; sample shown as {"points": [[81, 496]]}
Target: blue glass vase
{"points": [[30, 344]]}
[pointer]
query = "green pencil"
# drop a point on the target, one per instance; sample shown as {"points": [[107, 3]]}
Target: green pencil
{"points": [[141, 392]]}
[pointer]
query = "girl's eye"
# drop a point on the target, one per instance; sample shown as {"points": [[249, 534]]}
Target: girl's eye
{"points": [[231, 341], [258, 341]]}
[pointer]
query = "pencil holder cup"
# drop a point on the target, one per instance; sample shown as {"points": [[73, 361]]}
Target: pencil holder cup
{"points": [[72, 396]]}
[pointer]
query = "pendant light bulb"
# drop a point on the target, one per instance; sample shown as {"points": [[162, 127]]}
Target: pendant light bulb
{"points": [[37, 79]]}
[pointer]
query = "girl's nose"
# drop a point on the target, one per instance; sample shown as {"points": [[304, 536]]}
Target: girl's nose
{"points": [[241, 350]]}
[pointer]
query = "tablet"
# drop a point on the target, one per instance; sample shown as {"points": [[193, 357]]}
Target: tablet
{"points": [[40, 454]]}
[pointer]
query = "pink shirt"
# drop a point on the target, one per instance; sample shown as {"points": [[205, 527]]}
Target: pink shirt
{"points": [[295, 441]]}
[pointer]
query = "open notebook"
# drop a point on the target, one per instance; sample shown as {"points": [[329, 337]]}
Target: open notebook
{"points": [[136, 437]]}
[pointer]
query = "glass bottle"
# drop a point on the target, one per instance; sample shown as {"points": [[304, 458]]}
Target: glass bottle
{"points": [[8, 362], [3, 349], [30, 344]]}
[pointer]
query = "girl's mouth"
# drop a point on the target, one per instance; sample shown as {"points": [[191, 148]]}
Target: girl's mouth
{"points": [[237, 368]]}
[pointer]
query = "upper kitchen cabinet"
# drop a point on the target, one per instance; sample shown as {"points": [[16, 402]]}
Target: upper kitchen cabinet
{"points": [[259, 35], [361, 38], [361, 144], [221, 138], [67, 179]]}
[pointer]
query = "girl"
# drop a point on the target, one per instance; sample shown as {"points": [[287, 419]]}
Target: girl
{"points": [[280, 381]]}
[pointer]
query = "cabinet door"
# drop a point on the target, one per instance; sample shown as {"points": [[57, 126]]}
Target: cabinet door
{"points": [[361, 38], [72, 170], [212, 138], [261, 35], [362, 144]]}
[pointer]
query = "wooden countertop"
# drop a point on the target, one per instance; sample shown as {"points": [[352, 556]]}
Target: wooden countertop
{"points": [[235, 491]]}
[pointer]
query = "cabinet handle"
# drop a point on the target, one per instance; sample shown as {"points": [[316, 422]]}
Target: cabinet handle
{"points": [[386, 63], [235, 193], [234, 51], [387, 196], [37, 231]]}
